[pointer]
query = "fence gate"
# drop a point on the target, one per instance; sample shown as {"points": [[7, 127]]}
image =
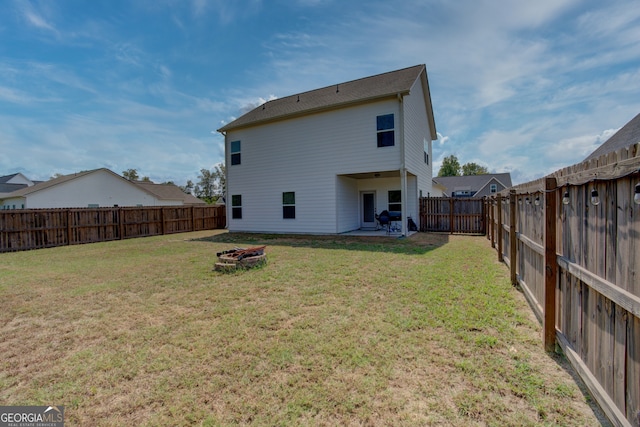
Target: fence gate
{"points": [[453, 215]]}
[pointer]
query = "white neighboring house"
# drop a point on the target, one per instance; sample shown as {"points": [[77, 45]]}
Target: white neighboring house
{"points": [[14, 182], [328, 160], [95, 188]]}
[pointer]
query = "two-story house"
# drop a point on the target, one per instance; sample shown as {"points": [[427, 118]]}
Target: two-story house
{"points": [[328, 160]]}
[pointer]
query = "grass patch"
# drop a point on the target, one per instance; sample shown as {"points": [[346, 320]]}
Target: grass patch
{"points": [[334, 330]]}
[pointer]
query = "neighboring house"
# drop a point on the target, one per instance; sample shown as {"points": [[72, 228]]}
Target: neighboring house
{"points": [[94, 188], [437, 190], [328, 160], [14, 182], [474, 185], [628, 135]]}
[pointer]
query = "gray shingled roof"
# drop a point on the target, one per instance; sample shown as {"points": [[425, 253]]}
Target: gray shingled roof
{"points": [[4, 179], [472, 183], [628, 135], [10, 188], [168, 192], [331, 97]]}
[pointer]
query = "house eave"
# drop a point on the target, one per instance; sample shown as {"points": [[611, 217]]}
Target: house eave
{"points": [[312, 111]]}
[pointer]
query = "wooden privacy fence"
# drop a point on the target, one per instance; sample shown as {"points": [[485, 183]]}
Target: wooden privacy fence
{"points": [[453, 215], [44, 228], [572, 242]]}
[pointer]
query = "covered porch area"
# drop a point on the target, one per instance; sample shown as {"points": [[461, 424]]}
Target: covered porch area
{"points": [[362, 197]]}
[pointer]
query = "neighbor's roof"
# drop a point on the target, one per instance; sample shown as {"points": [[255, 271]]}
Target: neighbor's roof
{"points": [[47, 184], [6, 178], [10, 188], [168, 192], [339, 95], [628, 135], [472, 182]]}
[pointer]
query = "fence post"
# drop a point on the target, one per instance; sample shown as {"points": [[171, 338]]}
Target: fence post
{"points": [[121, 222], [451, 204], [485, 206], [193, 218], [162, 227], [69, 230], [550, 264], [513, 239], [492, 225], [500, 228]]}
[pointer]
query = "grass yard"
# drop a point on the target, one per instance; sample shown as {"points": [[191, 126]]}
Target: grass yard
{"points": [[332, 331]]}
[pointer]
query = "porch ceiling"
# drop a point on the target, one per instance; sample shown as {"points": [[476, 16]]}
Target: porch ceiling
{"points": [[371, 175]]}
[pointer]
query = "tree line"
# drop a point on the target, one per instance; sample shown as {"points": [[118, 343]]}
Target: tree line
{"points": [[451, 167]]}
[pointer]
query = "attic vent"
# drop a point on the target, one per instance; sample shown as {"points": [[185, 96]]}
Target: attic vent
{"points": [[337, 88], [298, 98]]}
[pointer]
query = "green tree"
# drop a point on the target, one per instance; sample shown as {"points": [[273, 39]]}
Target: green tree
{"points": [[131, 174], [450, 166], [188, 187], [220, 173], [211, 184], [472, 168]]}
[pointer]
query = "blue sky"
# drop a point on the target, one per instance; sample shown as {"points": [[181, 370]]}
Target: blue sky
{"points": [[526, 87]]}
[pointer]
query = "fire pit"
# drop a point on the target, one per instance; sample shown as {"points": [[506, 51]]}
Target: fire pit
{"points": [[233, 259]]}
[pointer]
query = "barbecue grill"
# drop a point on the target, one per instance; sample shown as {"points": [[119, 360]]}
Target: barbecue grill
{"points": [[387, 217]]}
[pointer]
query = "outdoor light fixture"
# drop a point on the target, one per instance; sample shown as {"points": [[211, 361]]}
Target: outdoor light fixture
{"points": [[636, 197], [537, 201], [565, 198], [595, 199]]}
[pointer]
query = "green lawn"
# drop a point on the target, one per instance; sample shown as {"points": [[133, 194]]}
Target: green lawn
{"points": [[331, 331]]}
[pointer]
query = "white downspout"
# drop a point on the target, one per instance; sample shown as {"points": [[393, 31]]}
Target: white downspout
{"points": [[227, 200], [403, 168]]}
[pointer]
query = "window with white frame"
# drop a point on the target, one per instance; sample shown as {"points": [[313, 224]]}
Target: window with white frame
{"points": [[395, 200], [235, 153], [236, 206], [289, 205], [385, 130], [493, 188]]}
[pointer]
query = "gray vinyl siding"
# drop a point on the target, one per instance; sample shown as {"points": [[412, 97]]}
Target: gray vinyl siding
{"points": [[305, 155], [348, 202], [310, 155], [417, 135]]}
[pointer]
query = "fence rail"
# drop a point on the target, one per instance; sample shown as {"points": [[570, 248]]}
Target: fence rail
{"points": [[44, 228], [572, 242], [453, 215]]}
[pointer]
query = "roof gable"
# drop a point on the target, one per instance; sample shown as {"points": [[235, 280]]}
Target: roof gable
{"points": [[337, 96], [628, 135], [16, 178], [473, 183]]}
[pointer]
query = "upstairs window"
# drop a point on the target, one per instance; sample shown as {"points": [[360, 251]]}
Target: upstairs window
{"points": [[236, 206], [493, 188], [384, 128], [235, 152], [289, 205], [395, 200], [426, 158]]}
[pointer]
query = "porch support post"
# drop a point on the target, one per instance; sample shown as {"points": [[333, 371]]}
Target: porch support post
{"points": [[403, 167]]}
